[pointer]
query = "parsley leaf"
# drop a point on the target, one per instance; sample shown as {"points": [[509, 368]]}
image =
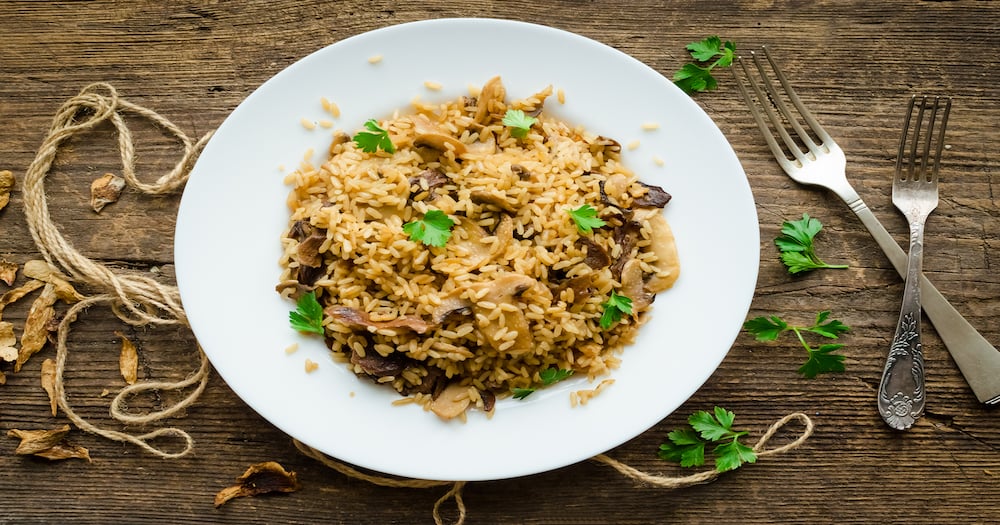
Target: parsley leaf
{"points": [[615, 306], [548, 376], [821, 359], [308, 314], [687, 445], [796, 245], [434, 229], [521, 393], [374, 139], [694, 78], [518, 122], [554, 375], [586, 218]]}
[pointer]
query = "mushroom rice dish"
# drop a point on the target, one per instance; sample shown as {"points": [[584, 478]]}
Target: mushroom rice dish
{"points": [[475, 250]]}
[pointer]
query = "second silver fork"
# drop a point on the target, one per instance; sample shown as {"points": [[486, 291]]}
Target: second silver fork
{"points": [[901, 396]]}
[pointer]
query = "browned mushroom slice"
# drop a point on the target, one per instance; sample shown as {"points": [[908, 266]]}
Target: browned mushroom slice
{"points": [[608, 144], [428, 180], [492, 198], [596, 257], [521, 172], [452, 402], [582, 287], [451, 305], [338, 138], [490, 101], [377, 365], [307, 252], [626, 237], [354, 318], [470, 240], [667, 263], [655, 197]]}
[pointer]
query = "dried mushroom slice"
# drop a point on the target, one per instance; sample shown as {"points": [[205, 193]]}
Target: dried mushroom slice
{"points": [[6, 185], [49, 383], [105, 190], [260, 478], [36, 326], [128, 360], [8, 272], [48, 444]]}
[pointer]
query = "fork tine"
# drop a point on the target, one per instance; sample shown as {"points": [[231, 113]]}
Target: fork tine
{"points": [[776, 121], [776, 149], [794, 97], [940, 143], [902, 142], [920, 165]]}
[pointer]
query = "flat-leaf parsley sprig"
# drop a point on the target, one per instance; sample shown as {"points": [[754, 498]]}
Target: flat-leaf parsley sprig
{"points": [[374, 138], [821, 359], [695, 78], [614, 308], [586, 219], [433, 229], [308, 314], [687, 445], [797, 248]]}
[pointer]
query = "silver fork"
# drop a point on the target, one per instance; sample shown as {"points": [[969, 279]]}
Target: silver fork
{"points": [[901, 394], [823, 164]]}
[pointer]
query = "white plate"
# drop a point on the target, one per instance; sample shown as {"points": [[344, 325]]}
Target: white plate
{"points": [[233, 212]]}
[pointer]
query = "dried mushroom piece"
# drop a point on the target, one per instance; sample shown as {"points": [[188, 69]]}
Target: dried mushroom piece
{"points": [[128, 360], [6, 185], [8, 272], [105, 190], [48, 444], [8, 352], [36, 326], [49, 383], [45, 272], [451, 402], [655, 197], [260, 478], [354, 318], [14, 294]]}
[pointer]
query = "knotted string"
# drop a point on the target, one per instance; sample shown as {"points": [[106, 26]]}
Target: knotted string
{"points": [[140, 300], [135, 299]]}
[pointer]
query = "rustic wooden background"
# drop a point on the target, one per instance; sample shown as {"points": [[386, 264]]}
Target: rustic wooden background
{"points": [[854, 62]]}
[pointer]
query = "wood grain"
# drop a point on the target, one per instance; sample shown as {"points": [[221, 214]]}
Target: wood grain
{"points": [[853, 62]]}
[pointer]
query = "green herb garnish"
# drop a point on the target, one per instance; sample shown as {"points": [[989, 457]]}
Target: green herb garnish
{"points": [[548, 377], [518, 122], [687, 445], [434, 229], [796, 245], [614, 308], [308, 314], [695, 78], [586, 218], [374, 139], [821, 359]]}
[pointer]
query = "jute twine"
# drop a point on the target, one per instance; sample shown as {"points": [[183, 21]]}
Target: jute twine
{"points": [[140, 300]]}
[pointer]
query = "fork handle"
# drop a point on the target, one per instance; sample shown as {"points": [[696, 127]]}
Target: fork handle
{"points": [[978, 360], [901, 395]]}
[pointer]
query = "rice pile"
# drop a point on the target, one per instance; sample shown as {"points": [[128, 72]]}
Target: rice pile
{"points": [[517, 289]]}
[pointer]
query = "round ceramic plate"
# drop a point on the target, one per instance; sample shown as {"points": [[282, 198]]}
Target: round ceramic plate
{"points": [[233, 213]]}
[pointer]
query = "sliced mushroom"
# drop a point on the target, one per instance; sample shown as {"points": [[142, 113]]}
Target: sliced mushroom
{"points": [[633, 286], [429, 134], [667, 263], [625, 236], [452, 402], [521, 172], [497, 199], [504, 234], [470, 240], [655, 197], [596, 257], [377, 365], [452, 304], [490, 101], [354, 318], [428, 180], [608, 144], [503, 290], [582, 286], [338, 138], [614, 187], [307, 252]]}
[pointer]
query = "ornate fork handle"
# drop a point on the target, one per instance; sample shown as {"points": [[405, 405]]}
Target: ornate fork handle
{"points": [[901, 395]]}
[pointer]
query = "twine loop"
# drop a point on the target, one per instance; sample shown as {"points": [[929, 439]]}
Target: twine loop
{"points": [[136, 299]]}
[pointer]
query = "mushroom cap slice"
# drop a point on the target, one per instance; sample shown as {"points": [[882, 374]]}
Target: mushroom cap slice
{"points": [[668, 266]]}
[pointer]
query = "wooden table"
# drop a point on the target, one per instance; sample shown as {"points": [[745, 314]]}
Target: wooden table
{"points": [[854, 63]]}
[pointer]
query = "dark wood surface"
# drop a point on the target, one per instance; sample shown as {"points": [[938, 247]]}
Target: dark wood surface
{"points": [[854, 63]]}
